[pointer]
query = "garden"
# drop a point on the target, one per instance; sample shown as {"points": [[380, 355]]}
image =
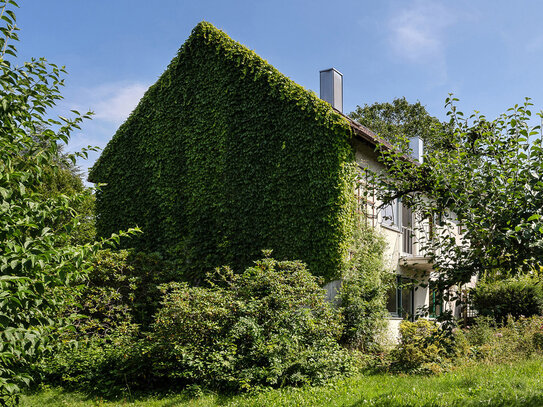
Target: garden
{"points": [[91, 321]]}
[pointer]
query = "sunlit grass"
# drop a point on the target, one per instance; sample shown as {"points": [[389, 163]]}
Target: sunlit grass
{"points": [[516, 384]]}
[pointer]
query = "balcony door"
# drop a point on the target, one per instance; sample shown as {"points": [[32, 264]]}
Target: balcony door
{"points": [[407, 231]]}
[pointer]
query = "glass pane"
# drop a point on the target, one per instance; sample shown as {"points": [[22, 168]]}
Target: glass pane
{"points": [[390, 214], [392, 306], [407, 217], [407, 302]]}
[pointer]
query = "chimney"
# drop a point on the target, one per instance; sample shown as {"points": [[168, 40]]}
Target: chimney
{"points": [[332, 88], [417, 148]]}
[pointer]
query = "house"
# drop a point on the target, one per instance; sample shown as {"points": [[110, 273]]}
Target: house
{"points": [[414, 294], [225, 156]]}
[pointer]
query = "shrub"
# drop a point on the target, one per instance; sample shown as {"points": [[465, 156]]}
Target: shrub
{"points": [[515, 339], [104, 354], [122, 288], [362, 300], [107, 366], [269, 326], [426, 347], [517, 297], [418, 345]]}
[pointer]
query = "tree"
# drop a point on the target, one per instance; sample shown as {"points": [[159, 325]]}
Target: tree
{"points": [[400, 120], [66, 178], [488, 183], [36, 252]]}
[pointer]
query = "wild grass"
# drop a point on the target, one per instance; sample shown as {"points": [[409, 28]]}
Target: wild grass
{"points": [[514, 384]]}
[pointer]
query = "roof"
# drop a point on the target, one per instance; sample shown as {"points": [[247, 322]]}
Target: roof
{"points": [[365, 134]]}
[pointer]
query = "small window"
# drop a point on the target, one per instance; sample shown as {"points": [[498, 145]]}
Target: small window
{"points": [[400, 301], [365, 196], [390, 214], [436, 302]]}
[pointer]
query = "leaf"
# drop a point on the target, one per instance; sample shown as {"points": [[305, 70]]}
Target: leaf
{"points": [[4, 192]]}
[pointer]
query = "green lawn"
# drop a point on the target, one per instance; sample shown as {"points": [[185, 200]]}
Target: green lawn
{"points": [[517, 384]]}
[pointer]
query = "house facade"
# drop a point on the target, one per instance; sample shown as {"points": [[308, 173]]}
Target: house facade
{"points": [[414, 294], [224, 156]]}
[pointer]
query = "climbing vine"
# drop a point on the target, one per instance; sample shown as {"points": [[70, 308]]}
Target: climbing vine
{"points": [[225, 156]]}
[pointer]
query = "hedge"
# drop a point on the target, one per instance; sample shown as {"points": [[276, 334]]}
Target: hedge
{"points": [[522, 296], [225, 156]]}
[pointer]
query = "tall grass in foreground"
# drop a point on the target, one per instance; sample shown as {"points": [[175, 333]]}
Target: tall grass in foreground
{"points": [[515, 384]]}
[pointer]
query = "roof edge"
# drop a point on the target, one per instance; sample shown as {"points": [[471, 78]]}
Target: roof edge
{"points": [[365, 134]]}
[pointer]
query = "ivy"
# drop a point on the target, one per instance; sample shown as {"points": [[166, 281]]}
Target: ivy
{"points": [[225, 156]]}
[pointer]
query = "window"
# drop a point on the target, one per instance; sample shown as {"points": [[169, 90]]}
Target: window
{"points": [[365, 197], [390, 214], [400, 302], [407, 230], [436, 302]]}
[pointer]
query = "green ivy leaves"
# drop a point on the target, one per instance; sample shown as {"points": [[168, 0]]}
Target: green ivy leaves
{"points": [[225, 156]]}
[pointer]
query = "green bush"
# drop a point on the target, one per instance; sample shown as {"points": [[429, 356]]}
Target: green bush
{"points": [[515, 339], [122, 288], [418, 344], [270, 326], [362, 299], [426, 347], [108, 366], [516, 297], [107, 352]]}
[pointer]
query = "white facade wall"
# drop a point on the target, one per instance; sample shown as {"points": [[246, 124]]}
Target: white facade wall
{"points": [[405, 265]]}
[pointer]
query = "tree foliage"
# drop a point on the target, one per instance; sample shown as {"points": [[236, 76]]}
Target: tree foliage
{"points": [[364, 290], [488, 184], [66, 178], [400, 120], [511, 297], [36, 252]]}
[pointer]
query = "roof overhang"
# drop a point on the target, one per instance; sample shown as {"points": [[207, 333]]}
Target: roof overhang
{"points": [[365, 134]]}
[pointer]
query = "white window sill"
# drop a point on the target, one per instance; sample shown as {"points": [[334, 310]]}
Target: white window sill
{"points": [[392, 227]]}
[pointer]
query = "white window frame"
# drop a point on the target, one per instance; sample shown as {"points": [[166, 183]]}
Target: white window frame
{"points": [[391, 215]]}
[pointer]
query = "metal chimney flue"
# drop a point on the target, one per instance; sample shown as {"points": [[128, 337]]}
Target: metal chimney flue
{"points": [[332, 88], [416, 146]]}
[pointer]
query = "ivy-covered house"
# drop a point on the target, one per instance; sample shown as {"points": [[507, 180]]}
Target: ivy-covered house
{"points": [[225, 156]]}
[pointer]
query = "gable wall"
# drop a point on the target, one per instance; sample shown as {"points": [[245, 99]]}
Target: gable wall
{"points": [[224, 157]]}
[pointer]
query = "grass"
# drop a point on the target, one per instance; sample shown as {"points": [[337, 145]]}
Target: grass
{"points": [[515, 384]]}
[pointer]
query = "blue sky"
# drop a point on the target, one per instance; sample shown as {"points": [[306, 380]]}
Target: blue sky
{"points": [[488, 53]]}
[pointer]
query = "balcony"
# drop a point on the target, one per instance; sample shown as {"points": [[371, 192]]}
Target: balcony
{"points": [[420, 263]]}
